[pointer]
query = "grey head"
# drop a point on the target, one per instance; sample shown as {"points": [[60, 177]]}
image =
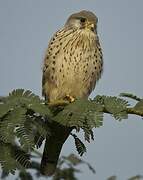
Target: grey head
{"points": [[81, 20]]}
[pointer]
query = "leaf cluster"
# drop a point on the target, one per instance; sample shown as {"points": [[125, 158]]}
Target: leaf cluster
{"points": [[68, 167], [21, 128], [26, 120]]}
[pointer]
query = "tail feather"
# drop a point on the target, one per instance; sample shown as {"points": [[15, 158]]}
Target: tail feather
{"points": [[52, 149]]}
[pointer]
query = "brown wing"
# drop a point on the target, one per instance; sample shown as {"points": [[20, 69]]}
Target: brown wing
{"points": [[53, 63]]}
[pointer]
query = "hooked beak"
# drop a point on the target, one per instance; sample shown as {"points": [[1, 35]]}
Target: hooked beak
{"points": [[91, 26]]}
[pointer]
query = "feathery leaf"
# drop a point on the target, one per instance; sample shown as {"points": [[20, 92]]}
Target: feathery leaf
{"points": [[75, 114], [80, 147], [129, 95]]}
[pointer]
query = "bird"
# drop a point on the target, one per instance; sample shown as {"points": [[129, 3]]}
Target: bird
{"points": [[72, 66]]}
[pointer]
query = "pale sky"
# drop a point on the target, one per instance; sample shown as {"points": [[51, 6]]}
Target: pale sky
{"points": [[25, 29]]}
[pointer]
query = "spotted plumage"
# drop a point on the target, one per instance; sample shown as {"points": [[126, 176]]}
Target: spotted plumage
{"points": [[73, 61], [73, 64]]}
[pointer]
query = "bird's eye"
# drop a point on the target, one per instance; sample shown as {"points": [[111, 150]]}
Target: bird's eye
{"points": [[82, 20]]}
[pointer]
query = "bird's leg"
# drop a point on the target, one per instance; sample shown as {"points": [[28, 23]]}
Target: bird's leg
{"points": [[62, 102], [58, 103], [70, 98]]}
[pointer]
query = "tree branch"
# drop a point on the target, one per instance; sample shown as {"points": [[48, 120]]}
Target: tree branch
{"points": [[128, 110]]}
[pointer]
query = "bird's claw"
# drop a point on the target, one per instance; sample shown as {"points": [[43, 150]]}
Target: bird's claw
{"points": [[70, 98]]}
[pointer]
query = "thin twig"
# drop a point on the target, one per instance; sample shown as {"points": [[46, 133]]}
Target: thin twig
{"points": [[128, 110], [133, 111]]}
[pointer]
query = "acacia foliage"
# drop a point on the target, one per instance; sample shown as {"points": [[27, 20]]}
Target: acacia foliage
{"points": [[25, 121]]}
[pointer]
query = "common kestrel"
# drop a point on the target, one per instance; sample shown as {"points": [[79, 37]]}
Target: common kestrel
{"points": [[73, 64]]}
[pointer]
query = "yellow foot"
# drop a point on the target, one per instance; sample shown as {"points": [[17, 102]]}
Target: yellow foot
{"points": [[58, 103], [70, 98]]}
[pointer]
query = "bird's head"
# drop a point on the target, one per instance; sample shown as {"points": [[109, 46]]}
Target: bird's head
{"points": [[85, 20]]}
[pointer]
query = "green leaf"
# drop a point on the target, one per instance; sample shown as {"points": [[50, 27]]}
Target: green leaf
{"points": [[4, 109], [22, 158], [80, 147], [26, 140], [20, 97], [7, 161], [77, 112], [88, 133], [114, 104], [129, 95], [41, 131], [11, 121], [40, 108], [73, 159], [117, 107]]}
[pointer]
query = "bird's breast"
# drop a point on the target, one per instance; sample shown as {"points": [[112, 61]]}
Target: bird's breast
{"points": [[73, 64]]}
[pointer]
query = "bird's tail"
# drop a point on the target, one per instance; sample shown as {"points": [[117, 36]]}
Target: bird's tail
{"points": [[52, 149]]}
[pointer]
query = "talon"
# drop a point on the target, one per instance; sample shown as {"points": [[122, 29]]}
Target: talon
{"points": [[58, 103], [70, 98]]}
